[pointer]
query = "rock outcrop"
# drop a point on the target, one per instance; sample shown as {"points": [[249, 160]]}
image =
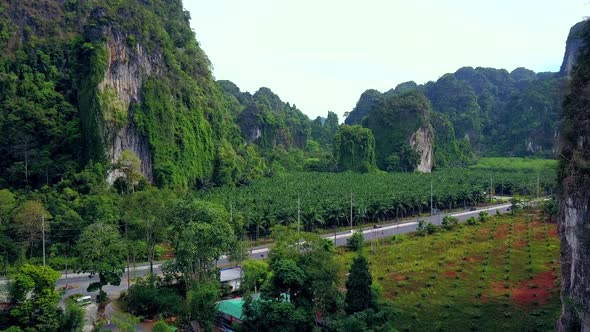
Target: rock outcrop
{"points": [[406, 129], [127, 65], [421, 142], [265, 120], [574, 220], [572, 47]]}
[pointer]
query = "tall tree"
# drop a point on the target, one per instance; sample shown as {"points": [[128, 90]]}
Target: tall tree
{"points": [[201, 234], [7, 204], [202, 300], [35, 298], [147, 214], [303, 282], [8, 247], [256, 272], [30, 219], [358, 286], [101, 252], [129, 167]]}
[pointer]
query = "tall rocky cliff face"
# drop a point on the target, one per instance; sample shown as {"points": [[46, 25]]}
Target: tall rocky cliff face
{"points": [[109, 77], [127, 65], [572, 47], [574, 221], [403, 132], [422, 142]]}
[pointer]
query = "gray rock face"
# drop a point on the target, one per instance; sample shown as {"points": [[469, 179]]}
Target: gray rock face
{"points": [[574, 219], [574, 231], [127, 66], [572, 46], [421, 142]]}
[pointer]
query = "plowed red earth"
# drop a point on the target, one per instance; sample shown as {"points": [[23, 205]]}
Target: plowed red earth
{"points": [[544, 285], [502, 231]]}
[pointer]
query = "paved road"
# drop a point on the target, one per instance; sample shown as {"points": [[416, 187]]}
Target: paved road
{"points": [[390, 229], [79, 282]]}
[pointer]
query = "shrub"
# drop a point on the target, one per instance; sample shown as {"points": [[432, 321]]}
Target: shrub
{"points": [[159, 252], [402, 284], [483, 216], [148, 298], [161, 326], [355, 242], [472, 221], [430, 228], [425, 228], [420, 229], [449, 222]]}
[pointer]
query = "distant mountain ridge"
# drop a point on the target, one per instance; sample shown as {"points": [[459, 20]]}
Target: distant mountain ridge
{"points": [[496, 112], [113, 85]]}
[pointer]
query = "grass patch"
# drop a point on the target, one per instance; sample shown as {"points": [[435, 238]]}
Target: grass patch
{"points": [[492, 276], [516, 164]]}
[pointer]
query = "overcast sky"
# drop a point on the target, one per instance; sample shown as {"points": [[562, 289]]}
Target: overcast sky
{"points": [[322, 54]]}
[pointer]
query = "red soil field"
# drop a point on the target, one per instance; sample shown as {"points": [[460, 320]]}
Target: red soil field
{"points": [[544, 285], [502, 231]]}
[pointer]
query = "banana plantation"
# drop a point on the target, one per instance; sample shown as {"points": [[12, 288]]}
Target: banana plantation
{"points": [[325, 200]]}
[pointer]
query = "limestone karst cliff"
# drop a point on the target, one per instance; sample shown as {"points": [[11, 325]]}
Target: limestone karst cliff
{"points": [[265, 120], [409, 136], [572, 47], [96, 78], [422, 142], [574, 174], [127, 65]]}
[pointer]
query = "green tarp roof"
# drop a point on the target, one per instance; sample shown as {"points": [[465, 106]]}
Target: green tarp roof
{"points": [[234, 307], [231, 307]]}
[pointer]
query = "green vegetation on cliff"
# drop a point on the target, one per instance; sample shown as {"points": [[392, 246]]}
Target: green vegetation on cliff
{"points": [[396, 117], [354, 149], [493, 112], [393, 121]]}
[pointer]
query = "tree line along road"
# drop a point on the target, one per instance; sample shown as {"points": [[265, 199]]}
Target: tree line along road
{"points": [[77, 283]]}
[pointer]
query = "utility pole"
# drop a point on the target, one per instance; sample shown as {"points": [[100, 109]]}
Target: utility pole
{"points": [[298, 215], [67, 271], [538, 184], [351, 211], [335, 228], [43, 233], [298, 220], [491, 183], [128, 266], [431, 207]]}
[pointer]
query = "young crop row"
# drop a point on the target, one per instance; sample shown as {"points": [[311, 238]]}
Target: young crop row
{"points": [[325, 198]]}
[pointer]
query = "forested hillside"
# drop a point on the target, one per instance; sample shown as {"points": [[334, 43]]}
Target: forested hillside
{"points": [[109, 84], [494, 112], [93, 82]]}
